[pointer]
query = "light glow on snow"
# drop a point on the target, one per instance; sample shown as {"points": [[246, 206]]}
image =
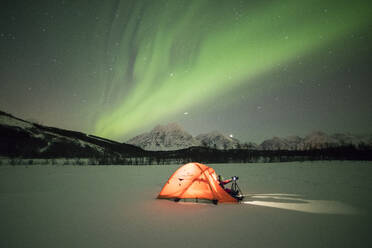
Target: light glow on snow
{"points": [[297, 203]]}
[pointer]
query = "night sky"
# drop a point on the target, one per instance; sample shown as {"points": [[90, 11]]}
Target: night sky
{"points": [[254, 69]]}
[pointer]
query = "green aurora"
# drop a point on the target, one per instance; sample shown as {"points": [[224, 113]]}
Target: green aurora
{"points": [[166, 56]]}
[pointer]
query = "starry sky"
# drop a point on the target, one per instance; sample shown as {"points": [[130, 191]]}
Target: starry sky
{"points": [[254, 69]]}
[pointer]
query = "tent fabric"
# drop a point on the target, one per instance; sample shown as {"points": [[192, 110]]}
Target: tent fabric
{"points": [[195, 181]]}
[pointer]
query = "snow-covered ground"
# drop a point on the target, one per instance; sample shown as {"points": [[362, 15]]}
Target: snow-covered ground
{"points": [[310, 204]]}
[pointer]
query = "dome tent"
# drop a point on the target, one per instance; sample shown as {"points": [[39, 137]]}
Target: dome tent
{"points": [[195, 181]]}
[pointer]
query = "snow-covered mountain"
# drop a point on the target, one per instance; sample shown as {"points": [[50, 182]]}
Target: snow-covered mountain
{"points": [[248, 146], [274, 143], [345, 139], [315, 140], [174, 137], [20, 138], [165, 138], [217, 140], [288, 143], [318, 140]]}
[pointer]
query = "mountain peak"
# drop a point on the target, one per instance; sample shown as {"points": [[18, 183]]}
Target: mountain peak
{"points": [[217, 140], [165, 138], [170, 127], [317, 133], [173, 137]]}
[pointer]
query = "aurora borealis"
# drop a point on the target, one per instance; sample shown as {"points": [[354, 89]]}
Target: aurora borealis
{"points": [[236, 66]]}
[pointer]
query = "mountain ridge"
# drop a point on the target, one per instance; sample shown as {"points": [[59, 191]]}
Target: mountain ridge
{"points": [[173, 137], [23, 138]]}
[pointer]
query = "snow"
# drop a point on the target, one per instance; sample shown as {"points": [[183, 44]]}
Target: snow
{"points": [[41, 150], [46, 161], [101, 139], [309, 204], [76, 141], [165, 138], [218, 140], [314, 140], [174, 137], [11, 121], [39, 136]]}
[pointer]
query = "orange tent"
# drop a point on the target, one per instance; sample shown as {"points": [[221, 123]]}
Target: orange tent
{"points": [[195, 181]]}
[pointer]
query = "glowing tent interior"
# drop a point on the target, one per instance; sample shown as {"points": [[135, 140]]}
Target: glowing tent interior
{"points": [[195, 181]]}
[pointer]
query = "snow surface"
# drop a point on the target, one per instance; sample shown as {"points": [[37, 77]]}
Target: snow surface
{"points": [[309, 204]]}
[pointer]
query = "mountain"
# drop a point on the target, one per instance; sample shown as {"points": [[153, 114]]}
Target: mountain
{"points": [[174, 137], [288, 143], [249, 146], [24, 139], [20, 138], [322, 140], [315, 140], [218, 141], [165, 138], [343, 138], [274, 143], [319, 140]]}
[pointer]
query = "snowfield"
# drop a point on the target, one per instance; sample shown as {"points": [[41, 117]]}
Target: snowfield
{"points": [[309, 204]]}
